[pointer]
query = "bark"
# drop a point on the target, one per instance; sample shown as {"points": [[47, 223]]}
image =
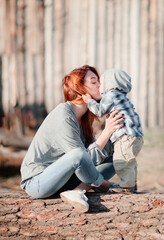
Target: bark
{"points": [[111, 216]]}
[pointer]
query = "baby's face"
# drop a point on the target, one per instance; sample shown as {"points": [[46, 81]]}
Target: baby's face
{"points": [[101, 83]]}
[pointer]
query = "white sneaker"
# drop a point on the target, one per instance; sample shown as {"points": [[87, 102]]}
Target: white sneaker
{"points": [[77, 199], [115, 184], [110, 190]]}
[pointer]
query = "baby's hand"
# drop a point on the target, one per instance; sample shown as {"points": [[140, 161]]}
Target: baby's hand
{"points": [[86, 98]]}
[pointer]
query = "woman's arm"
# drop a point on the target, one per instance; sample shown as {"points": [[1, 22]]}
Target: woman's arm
{"points": [[111, 125]]}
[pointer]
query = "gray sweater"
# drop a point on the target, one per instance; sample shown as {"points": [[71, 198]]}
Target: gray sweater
{"points": [[58, 134]]}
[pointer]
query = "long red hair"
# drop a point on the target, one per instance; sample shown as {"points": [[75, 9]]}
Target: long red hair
{"points": [[73, 89]]}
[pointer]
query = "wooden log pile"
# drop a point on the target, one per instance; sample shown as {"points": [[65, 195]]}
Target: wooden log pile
{"points": [[12, 148]]}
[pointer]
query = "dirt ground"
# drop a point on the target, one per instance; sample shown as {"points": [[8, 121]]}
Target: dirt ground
{"points": [[150, 165], [151, 162]]}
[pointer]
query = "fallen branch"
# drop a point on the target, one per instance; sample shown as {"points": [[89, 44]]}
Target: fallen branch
{"points": [[9, 139]]}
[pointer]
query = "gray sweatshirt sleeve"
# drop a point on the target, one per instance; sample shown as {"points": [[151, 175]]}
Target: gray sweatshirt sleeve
{"points": [[102, 108], [99, 156]]}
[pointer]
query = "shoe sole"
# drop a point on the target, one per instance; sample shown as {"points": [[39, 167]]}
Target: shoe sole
{"points": [[127, 190], [124, 190], [78, 206]]}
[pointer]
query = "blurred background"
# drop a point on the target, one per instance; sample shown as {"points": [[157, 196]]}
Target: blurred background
{"points": [[43, 40]]}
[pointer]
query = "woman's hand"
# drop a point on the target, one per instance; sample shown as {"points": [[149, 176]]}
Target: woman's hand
{"points": [[111, 125], [86, 98], [112, 122]]}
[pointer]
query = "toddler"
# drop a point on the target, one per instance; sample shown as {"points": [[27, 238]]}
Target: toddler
{"points": [[127, 140]]}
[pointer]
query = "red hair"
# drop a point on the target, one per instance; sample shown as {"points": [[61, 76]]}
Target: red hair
{"points": [[73, 89]]}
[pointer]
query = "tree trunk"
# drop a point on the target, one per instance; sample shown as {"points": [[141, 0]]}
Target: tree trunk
{"points": [[111, 217]]}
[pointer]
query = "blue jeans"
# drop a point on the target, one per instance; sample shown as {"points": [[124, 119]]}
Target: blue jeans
{"points": [[68, 172]]}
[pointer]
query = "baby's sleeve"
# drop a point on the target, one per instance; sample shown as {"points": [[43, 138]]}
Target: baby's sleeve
{"points": [[102, 108]]}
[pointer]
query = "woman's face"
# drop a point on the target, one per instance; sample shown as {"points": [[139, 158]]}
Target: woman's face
{"points": [[92, 85]]}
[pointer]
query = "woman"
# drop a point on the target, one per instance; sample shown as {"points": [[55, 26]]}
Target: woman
{"points": [[63, 152]]}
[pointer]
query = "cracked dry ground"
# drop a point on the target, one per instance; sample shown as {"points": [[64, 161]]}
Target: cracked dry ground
{"points": [[111, 216]]}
